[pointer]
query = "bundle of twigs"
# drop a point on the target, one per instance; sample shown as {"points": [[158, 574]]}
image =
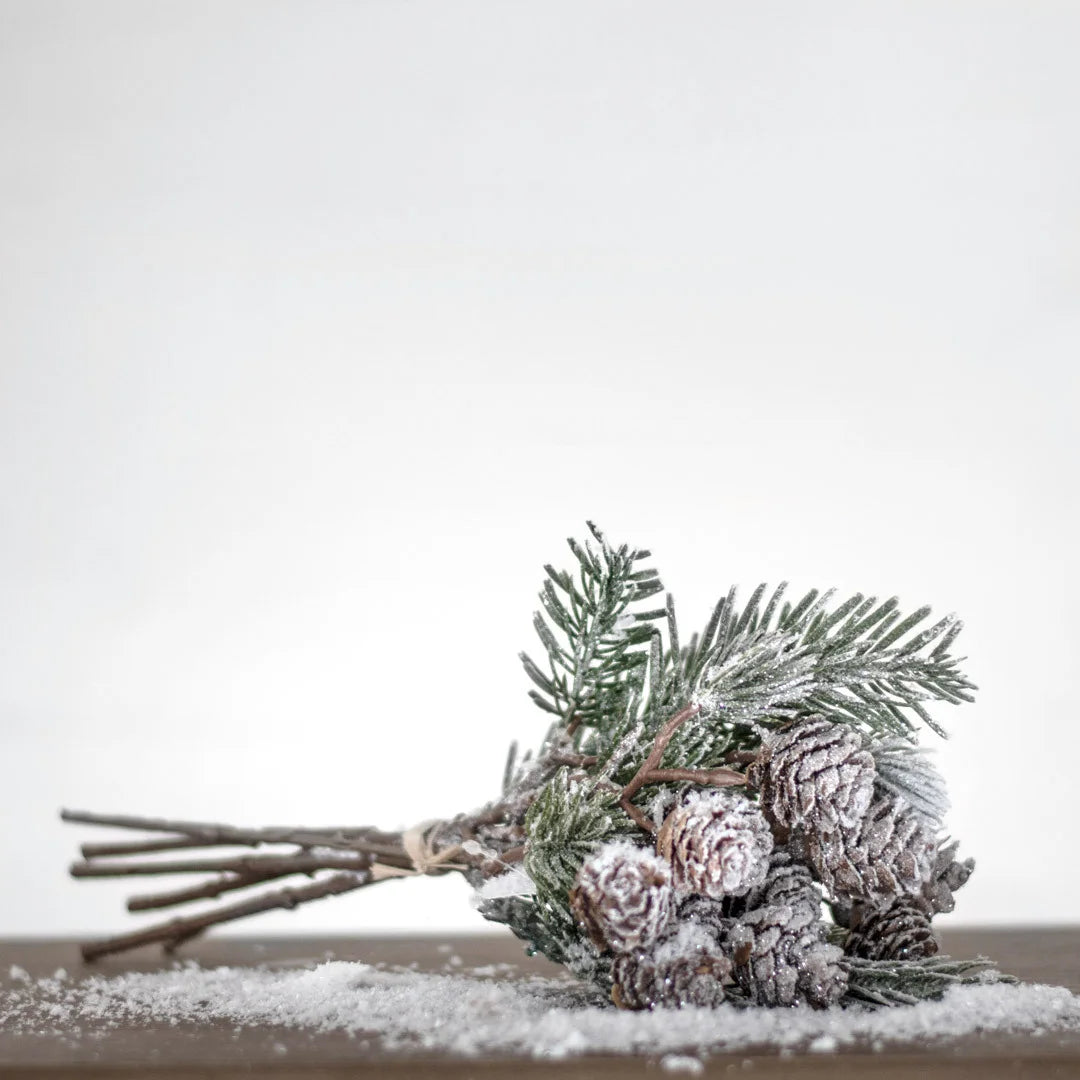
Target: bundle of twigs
{"points": [[338, 859]]}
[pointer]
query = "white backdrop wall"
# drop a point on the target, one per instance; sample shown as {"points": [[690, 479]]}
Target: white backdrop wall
{"points": [[323, 324]]}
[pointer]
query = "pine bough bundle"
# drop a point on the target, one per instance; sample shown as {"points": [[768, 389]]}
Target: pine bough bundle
{"points": [[695, 810]]}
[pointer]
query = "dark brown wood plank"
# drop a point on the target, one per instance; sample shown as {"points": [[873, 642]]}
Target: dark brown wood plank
{"points": [[217, 1050]]}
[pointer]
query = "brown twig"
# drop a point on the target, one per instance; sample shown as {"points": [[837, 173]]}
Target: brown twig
{"points": [[212, 834], [175, 931], [651, 763], [275, 865], [566, 757], [742, 757], [209, 890], [719, 777], [141, 847]]}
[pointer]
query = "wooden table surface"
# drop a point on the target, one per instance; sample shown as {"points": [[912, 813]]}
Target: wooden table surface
{"points": [[216, 1050]]}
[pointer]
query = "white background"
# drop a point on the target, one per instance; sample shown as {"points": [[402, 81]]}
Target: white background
{"points": [[323, 324]]}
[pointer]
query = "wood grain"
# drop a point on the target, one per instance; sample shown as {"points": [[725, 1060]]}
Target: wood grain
{"points": [[216, 1050]]}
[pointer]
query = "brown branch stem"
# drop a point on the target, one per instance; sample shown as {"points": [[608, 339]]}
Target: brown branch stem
{"points": [[212, 834], [208, 890], [651, 763], [175, 931], [567, 757], [276, 865], [719, 777], [141, 847]]}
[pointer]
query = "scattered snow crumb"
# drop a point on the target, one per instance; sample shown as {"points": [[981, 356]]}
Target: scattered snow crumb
{"points": [[681, 1063], [18, 974], [530, 1016]]}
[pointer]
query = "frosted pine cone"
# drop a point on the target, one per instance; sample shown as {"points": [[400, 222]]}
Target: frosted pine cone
{"points": [[687, 968], [782, 958], [779, 945], [888, 854], [718, 844], [947, 875], [814, 774], [900, 931], [787, 882], [623, 898]]}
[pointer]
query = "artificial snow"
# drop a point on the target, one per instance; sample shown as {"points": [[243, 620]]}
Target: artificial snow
{"points": [[514, 882], [470, 1013]]}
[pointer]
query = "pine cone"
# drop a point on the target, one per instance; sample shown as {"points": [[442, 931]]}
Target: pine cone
{"points": [[814, 774], [687, 968], [782, 958], [718, 844], [623, 898], [946, 877], [900, 931], [888, 854], [779, 945]]}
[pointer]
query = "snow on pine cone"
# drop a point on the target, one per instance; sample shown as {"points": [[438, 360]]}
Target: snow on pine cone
{"points": [[814, 774], [687, 968], [888, 853], [779, 947], [717, 843], [899, 931], [622, 897]]}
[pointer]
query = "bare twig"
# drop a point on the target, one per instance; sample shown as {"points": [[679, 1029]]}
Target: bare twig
{"points": [[208, 890], [274, 865], [719, 777], [176, 931], [566, 757], [141, 847], [211, 834]]}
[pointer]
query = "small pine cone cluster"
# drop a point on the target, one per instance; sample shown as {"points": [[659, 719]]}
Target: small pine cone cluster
{"points": [[733, 893], [623, 899], [779, 945], [717, 843], [898, 931]]}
